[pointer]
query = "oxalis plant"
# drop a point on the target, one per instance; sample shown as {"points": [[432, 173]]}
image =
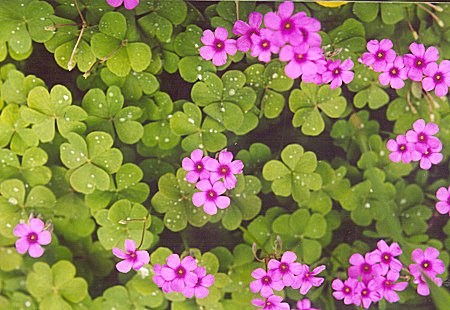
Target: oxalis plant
{"points": [[171, 154]]}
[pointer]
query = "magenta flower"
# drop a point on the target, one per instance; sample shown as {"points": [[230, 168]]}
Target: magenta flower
{"points": [[306, 279], [394, 74], [379, 55], [309, 27], [426, 261], [262, 47], [31, 237], [443, 205], [180, 273], [286, 269], [305, 304], [209, 197], [195, 166], [200, 290], [217, 46], [385, 255], [225, 168], [427, 155], [419, 59], [438, 78], [423, 134], [317, 77], [365, 267], [344, 290], [337, 73], [273, 302], [401, 149], [159, 280], [366, 294], [388, 286], [422, 285], [264, 283], [285, 26], [301, 60], [131, 258], [245, 31], [129, 4]]}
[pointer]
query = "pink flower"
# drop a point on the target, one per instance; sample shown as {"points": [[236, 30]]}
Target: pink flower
{"points": [[209, 197], [443, 205], [438, 78], [286, 269], [385, 256], [423, 134], [422, 285], [32, 236], [225, 168], [427, 155], [285, 26], [387, 286], [419, 59], [217, 46], [309, 27], [337, 73], [394, 74], [200, 290], [195, 166], [305, 304], [245, 31], [364, 267], [262, 46], [265, 283], [273, 302], [159, 280], [131, 258], [379, 55], [426, 261], [305, 280], [301, 60], [317, 77], [366, 294], [180, 273], [401, 149], [344, 290], [129, 4]]}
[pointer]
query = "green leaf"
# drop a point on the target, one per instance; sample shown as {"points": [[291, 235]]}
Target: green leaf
{"points": [[113, 24], [366, 12], [156, 25]]}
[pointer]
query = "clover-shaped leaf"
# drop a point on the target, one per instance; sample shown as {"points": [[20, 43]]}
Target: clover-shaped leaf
{"points": [[56, 287], [305, 103], [174, 199], [111, 45], [15, 201], [124, 220], [16, 86], [106, 113], [193, 68], [24, 21], [44, 109], [295, 174], [15, 132], [91, 160], [127, 185], [207, 135], [350, 37], [31, 169], [158, 133]]}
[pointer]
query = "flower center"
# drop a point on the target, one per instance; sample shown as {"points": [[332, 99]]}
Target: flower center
{"points": [[133, 255], [32, 237], [266, 280], [421, 137], [199, 167], [211, 194], [402, 148], [366, 268], [380, 55], [386, 256], [268, 303], [336, 71], [394, 71], [283, 266], [300, 57], [364, 292], [419, 63], [224, 170], [347, 290], [265, 44], [180, 272], [220, 45], [437, 77], [288, 25], [427, 152], [307, 275], [426, 265], [387, 283]]}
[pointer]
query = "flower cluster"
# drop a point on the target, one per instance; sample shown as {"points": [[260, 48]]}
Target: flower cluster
{"points": [[372, 277], [282, 273], [419, 66], [129, 4], [419, 144], [212, 177], [184, 276], [295, 37], [132, 257], [426, 263], [32, 236]]}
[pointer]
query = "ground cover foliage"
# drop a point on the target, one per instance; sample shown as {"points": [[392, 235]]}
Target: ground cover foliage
{"points": [[97, 113]]}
